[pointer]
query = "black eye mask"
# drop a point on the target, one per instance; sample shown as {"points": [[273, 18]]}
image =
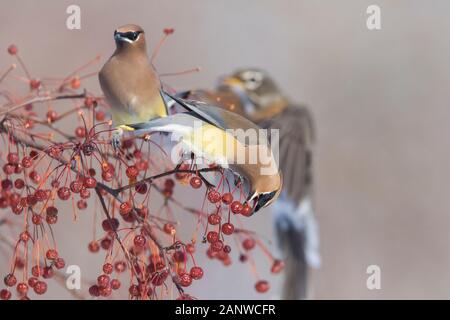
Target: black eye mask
{"points": [[129, 35]]}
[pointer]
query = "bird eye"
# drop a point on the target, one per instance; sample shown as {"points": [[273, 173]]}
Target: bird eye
{"points": [[131, 35], [263, 199]]}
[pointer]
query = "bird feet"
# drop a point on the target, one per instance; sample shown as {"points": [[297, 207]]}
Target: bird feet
{"points": [[116, 138]]}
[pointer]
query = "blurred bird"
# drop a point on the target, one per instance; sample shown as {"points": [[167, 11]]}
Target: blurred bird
{"points": [[140, 105], [261, 101]]}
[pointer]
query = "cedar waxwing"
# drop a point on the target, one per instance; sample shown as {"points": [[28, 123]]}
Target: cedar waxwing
{"points": [[262, 102], [140, 105], [129, 82], [223, 138]]}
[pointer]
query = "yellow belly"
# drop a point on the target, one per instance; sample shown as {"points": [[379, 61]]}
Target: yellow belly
{"points": [[139, 113]]}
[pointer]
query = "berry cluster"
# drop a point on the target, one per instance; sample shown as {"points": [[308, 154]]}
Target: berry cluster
{"points": [[46, 170]]}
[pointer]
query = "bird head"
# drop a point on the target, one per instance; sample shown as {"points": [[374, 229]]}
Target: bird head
{"points": [[265, 189], [129, 36], [253, 86]]}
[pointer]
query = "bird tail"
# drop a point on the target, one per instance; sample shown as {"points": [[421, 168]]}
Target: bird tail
{"points": [[297, 236]]}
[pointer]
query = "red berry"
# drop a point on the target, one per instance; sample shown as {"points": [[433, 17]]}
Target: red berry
{"points": [[169, 228], [90, 182], [22, 288], [212, 236], [12, 50], [51, 254], [277, 266], [42, 195], [246, 211], [103, 280], [36, 219], [85, 193], [51, 219], [262, 286], [125, 208], [8, 169], [64, 193], [32, 281], [120, 266], [89, 102], [214, 196], [94, 290], [196, 273], [81, 204], [196, 182], [169, 184], [76, 186], [37, 271], [169, 31], [105, 291], [60, 263], [13, 158], [214, 219], [75, 83], [6, 184], [48, 272], [227, 228], [134, 290], [106, 243], [80, 132], [217, 246], [227, 198], [179, 256], [5, 294], [100, 115], [141, 188], [190, 248], [110, 224], [142, 212], [236, 207], [139, 241], [10, 280], [51, 115], [40, 287], [249, 244], [24, 236], [132, 172], [115, 284], [108, 268], [35, 84], [185, 280], [94, 246]]}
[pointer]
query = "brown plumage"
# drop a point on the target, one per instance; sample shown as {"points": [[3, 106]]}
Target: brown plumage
{"points": [[129, 81]]}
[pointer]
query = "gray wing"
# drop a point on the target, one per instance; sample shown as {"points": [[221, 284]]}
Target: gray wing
{"points": [[296, 133], [192, 107]]}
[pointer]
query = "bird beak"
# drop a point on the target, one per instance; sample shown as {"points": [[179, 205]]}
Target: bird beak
{"points": [[232, 82], [118, 37]]}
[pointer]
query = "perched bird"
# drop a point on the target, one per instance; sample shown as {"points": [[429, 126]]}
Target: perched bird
{"points": [[129, 82], [261, 101], [226, 139], [139, 105]]}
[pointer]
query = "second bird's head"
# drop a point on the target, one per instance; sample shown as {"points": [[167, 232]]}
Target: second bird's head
{"points": [[252, 86], [129, 36]]}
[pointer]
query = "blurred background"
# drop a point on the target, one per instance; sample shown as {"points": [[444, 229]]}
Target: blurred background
{"points": [[379, 98]]}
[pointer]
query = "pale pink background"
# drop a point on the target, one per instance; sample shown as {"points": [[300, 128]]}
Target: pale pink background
{"points": [[380, 100]]}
